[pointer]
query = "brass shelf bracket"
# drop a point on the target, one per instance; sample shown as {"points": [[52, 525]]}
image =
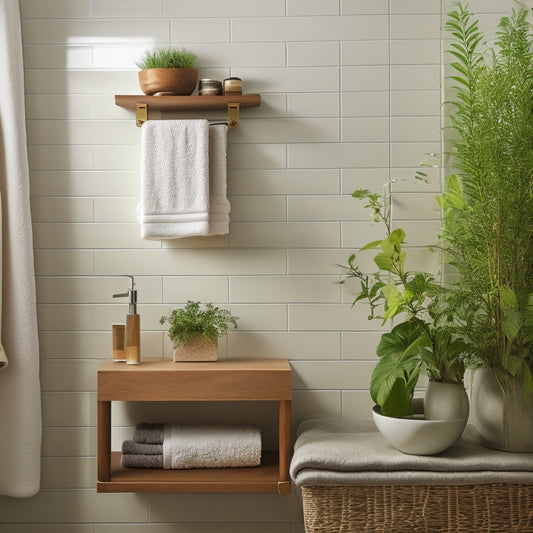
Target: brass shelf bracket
{"points": [[233, 115], [142, 114]]}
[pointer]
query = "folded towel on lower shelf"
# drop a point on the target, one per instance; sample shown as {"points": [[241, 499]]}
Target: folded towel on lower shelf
{"points": [[184, 447], [148, 433], [130, 460], [135, 448]]}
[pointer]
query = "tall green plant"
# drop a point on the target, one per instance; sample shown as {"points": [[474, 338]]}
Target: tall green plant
{"points": [[488, 202]]}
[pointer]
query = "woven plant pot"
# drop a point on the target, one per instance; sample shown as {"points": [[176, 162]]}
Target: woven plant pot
{"points": [[168, 81], [197, 349]]}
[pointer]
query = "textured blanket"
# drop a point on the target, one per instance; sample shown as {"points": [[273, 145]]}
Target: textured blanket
{"points": [[340, 451]]}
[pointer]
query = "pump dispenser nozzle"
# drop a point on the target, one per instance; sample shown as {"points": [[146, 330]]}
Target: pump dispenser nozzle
{"points": [[133, 325], [131, 295]]}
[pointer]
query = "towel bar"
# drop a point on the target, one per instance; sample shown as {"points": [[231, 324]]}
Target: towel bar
{"points": [[233, 114]]}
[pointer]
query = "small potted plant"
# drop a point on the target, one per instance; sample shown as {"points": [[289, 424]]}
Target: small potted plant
{"points": [[194, 331], [168, 71]]}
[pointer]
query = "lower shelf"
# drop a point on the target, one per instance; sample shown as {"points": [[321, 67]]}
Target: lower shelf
{"points": [[264, 478]]}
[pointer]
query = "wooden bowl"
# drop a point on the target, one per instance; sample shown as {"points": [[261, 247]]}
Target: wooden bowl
{"points": [[168, 81]]}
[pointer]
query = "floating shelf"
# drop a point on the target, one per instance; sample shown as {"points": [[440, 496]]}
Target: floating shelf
{"points": [[188, 103], [157, 380]]}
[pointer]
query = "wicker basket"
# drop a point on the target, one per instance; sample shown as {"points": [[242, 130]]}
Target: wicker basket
{"points": [[197, 349], [494, 508]]}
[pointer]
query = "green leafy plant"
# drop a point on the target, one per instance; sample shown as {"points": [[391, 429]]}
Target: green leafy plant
{"points": [[184, 324], [488, 201], [167, 58], [426, 336]]}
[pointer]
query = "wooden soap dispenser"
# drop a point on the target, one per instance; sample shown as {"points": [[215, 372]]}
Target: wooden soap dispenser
{"points": [[133, 325]]}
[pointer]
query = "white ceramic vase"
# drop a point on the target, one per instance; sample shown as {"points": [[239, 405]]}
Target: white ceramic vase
{"points": [[503, 419], [445, 401]]}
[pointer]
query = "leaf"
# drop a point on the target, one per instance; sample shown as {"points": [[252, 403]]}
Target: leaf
{"points": [[397, 237], [420, 285], [384, 262], [360, 194], [398, 352], [375, 288], [507, 297], [527, 380], [512, 323], [513, 364], [393, 301], [371, 245], [401, 342], [460, 80], [398, 403], [527, 313]]}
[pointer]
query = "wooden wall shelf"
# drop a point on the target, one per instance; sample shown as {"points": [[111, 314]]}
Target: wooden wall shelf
{"points": [[233, 103], [187, 103], [163, 380]]}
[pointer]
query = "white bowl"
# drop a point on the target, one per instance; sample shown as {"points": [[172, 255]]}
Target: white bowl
{"points": [[417, 436]]}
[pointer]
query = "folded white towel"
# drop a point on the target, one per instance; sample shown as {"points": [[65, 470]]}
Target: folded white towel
{"points": [[174, 179], [219, 206], [218, 446]]}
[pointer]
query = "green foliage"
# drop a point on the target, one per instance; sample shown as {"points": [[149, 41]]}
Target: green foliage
{"points": [[167, 58], [426, 337], [396, 373], [186, 323], [488, 202]]}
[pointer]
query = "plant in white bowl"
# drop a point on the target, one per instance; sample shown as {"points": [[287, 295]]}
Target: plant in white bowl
{"points": [[426, 337]]}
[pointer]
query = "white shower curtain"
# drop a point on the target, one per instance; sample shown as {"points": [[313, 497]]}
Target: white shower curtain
{"points": [[20, 395]]}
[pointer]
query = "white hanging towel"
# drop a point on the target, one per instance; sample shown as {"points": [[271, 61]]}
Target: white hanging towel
{"points": [[174, 179], [219, 206]]}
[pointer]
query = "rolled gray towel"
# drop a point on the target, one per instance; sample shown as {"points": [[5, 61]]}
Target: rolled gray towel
{"points": [[136, 448], [148, 433], [214, 446], [188, 446], [130, 460]]}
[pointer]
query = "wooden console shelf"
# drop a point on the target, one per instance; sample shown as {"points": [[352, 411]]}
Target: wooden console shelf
{"points": [[157, 380]]}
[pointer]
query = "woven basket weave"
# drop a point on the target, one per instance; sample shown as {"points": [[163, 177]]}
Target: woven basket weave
{"points": [[491, 508], [197, 349]]}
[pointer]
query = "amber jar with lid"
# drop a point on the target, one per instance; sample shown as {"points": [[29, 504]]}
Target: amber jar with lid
{"points": [[232, 86]]}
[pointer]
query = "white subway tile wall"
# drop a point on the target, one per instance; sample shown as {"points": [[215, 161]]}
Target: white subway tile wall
{"points": [[351, 97]]}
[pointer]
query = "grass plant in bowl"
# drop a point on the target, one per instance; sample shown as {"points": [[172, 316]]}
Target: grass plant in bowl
{"points": [[168, 71]]}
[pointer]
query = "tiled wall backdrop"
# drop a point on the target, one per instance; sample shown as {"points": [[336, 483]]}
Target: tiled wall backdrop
{"points": [[350, 98]]}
